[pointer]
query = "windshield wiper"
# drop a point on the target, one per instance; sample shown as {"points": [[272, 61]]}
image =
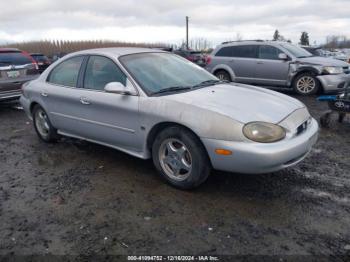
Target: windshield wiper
{"points": [[210, 83], [172, 89]]}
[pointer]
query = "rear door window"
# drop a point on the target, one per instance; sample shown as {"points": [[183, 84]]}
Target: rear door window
{"points": [[67, 72], [244, 51], [225, 52], [269, 52], [14, 58]]}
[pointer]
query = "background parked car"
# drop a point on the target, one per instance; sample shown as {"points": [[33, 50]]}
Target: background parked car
{"points": [[16, 68], [336, 54], [57, 56], [316, 51], [196, 57], [339, 55], [42, 60], [277, 64]]}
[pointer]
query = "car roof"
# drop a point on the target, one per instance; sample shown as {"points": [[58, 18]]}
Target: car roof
{"points": [[247, 42], [8, 49], [117, 51]]}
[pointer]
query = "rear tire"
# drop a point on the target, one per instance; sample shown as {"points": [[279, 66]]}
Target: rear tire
{"points": [[180, 158], [306, 84], [43, 126], [223, 75]]}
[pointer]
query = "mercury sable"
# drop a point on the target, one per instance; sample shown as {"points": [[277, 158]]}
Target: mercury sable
{"points": [[153, 104]]}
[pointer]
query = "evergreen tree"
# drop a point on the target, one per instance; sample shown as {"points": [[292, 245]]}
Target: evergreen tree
{"points": [[304, 38]]}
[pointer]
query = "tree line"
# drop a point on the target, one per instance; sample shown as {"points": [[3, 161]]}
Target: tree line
{"points": [[50, 48]]}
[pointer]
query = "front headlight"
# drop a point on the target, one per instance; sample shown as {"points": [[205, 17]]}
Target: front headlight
{"points": [[264, 132], [333, 70]]}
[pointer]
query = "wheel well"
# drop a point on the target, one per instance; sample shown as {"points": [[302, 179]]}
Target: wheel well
{"points": [[312, 71], [32, 106], [220, 69], [161, 126]]}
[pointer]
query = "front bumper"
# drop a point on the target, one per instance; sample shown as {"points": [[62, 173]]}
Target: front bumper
{"points": [[333, 83], [255, 158]]}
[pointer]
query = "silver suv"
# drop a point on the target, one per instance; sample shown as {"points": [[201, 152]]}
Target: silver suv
{"points": [[277, 64], [16, 68]]}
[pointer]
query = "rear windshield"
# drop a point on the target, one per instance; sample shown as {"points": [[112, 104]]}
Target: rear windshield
{"points": [[40, 58], [14, 58]]}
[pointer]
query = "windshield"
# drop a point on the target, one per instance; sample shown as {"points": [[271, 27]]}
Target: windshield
{"points": [[155, 72], [296, 50]]}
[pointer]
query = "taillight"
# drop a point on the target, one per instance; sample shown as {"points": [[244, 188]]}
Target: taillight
{"points": [[34, 63], [191, 58], [208, 59]]}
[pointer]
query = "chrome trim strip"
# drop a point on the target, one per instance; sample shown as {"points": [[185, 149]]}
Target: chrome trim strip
{"points": [[94, 122], [11, 96]]}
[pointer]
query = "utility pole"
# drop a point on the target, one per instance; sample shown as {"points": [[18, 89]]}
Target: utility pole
{"points": [[187, 32]]}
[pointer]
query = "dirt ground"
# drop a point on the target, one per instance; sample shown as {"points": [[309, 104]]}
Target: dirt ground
{"points": [[76, 198]]}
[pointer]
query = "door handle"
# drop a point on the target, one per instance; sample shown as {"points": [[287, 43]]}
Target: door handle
{"points": [[84, 101], [260, 63], [44, 94]]}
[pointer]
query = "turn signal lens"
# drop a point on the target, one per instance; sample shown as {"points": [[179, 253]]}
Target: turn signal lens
{"points": [[223, 152]]}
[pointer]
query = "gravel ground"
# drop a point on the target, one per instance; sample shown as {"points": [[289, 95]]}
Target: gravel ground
{"points": [[76, 198]]}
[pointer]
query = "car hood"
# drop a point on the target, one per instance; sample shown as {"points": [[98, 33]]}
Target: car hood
{"points": [[324, 61], [240, 102]]}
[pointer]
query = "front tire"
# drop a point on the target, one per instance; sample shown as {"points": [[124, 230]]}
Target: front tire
{"points": [[223, 75], [306, 84], [43, 126], [180, 158]]}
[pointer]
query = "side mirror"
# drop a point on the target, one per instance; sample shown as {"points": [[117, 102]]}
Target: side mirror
{"points": [[282, 56], [119, 88]]}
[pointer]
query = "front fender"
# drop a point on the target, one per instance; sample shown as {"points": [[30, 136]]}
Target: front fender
{"points": [[296, 68], [204, 123]]}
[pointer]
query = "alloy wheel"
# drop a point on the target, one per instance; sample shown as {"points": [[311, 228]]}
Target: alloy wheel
{"points": [[41, 123], [306, 84], [175, 159]]}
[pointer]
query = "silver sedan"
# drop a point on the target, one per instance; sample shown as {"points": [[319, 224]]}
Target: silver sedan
{"points": [[153, 104]]}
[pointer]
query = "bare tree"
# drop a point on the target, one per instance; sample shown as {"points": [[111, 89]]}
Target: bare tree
{"points": [[50, 48]]}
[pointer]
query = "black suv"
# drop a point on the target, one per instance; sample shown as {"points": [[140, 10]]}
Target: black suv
{"points": [[42, 60]]}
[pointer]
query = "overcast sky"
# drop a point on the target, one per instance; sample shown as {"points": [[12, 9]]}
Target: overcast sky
{"points": [[164, 20]]}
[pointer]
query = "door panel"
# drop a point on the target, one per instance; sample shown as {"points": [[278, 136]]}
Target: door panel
{"points": [[244, 68], [61, 95], [242, 60], [270, 70], [109, 118]]}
